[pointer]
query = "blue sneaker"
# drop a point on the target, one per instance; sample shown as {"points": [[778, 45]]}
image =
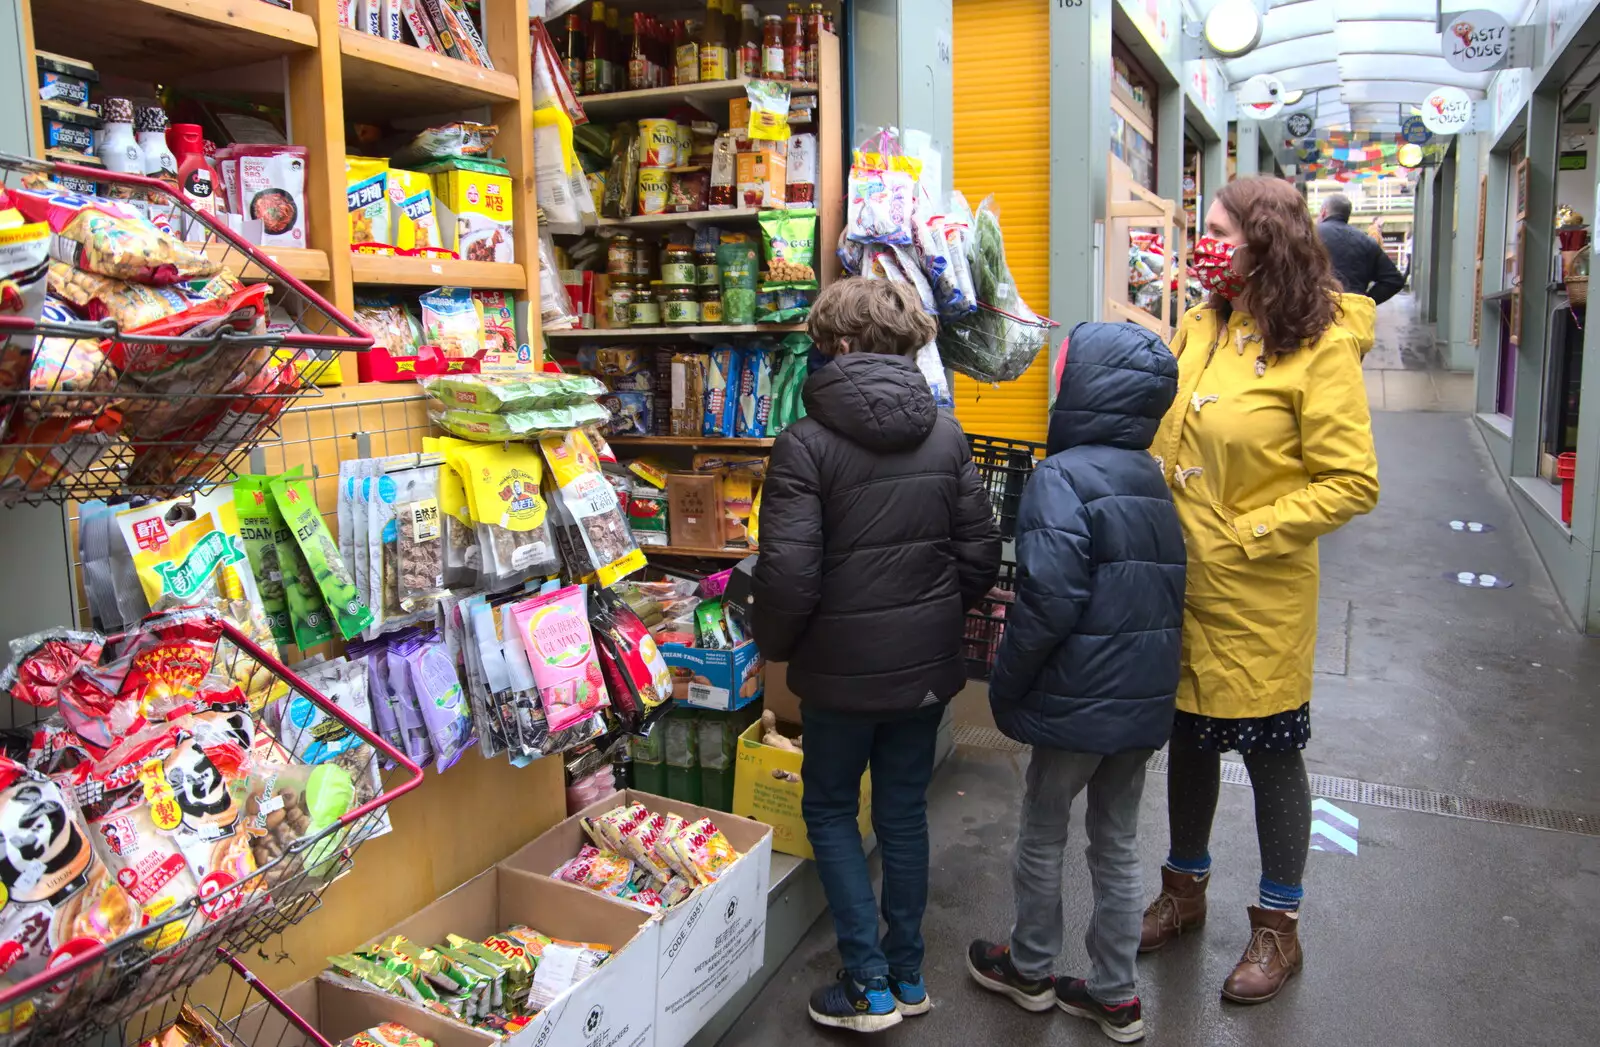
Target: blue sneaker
{"points": [[910, 996], [859, 1008]]}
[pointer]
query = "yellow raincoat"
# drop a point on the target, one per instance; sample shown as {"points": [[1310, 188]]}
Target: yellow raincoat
{"points": [[1262, 463]]}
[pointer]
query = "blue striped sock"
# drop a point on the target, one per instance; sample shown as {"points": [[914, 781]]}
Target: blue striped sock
{"points": [[1194, 867], [1280, 897]]}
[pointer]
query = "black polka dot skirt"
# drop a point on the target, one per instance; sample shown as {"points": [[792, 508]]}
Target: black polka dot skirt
{"points": [[1280, 733]]}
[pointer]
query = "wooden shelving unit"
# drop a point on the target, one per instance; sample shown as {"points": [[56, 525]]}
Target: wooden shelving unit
{"points": [[683, 550], [749, 443], [591, 334], [657, 221], [332, 76], [710, 98]]}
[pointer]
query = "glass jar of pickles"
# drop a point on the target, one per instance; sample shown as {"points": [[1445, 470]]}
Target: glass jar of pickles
{"points": [[711, 305], [678, 266], [619, 301], [680, 305]]}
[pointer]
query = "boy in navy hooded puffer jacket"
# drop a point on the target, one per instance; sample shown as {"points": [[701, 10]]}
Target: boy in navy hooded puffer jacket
{"points": [[1087, 671]]}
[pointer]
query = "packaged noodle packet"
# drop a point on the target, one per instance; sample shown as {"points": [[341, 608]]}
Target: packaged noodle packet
{"points": [[485, 427], [600, 531], [502, 394], [299, 508]]}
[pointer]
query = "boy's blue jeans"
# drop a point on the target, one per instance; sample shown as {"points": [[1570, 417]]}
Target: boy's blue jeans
{"points": [[838, 750]]}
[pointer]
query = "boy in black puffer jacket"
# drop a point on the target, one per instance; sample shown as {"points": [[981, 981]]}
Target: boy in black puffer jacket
{"points": [[1087, 672], [877, 536]]}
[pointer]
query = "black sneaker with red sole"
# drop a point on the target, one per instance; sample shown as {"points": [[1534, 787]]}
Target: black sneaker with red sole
{"points": [[991, 967], [1123, 1022]]}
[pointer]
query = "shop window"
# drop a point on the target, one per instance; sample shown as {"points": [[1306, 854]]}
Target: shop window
{"points": [[1133, 119]]}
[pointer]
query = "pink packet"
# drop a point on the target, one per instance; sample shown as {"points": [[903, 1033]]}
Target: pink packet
{"points": [[555, 633]]}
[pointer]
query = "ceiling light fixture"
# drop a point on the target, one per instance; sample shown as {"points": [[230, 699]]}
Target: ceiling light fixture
{"points": [[1233, 27]]}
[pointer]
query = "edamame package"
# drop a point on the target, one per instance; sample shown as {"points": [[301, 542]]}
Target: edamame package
{"points": [[299, 508], [309, 620], [251, 505]]}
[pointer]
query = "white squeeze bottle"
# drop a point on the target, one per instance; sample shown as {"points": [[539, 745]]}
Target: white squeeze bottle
{"points": [[152, 137], [117, 148]]}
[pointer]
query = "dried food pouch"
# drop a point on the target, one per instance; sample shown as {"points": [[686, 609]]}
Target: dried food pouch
{"points": [[389, 1034], [511, 954], [309, 619], [721, 391], [407, 708], [554, 628], [419, 551], [710, 625], [539, 422], [299, 508], [790, 237], [618, 628], [367, 199], [755, 393], [442, 702], [957, 226], [499, 326], [450, 321], [497, 394], [462, 558], [391, 325], [609, 551], [251, 500], [769, 110], [459, 138], [739, 264], [382, 591], [112, 239], [513, 518]]}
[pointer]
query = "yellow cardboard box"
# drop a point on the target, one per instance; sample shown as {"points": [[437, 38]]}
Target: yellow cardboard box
{"points": [[767, 788]]}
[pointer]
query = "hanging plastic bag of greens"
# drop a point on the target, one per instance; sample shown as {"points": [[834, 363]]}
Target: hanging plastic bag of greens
{"points": [[1002, 339]]}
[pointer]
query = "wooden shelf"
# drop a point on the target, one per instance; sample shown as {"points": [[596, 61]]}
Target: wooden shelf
{"points": [[655, 101], [646, 221], [303, 263], [752, 443], [591, 334], [385, 78], [679, 550], [394, 271], [169, 39]]}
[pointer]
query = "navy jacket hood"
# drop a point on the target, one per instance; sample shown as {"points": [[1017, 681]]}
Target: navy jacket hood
{"points": [[880, 402], [1116, 385]]}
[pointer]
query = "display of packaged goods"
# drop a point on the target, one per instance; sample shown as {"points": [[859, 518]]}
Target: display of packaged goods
{"points": [[474, 201]]}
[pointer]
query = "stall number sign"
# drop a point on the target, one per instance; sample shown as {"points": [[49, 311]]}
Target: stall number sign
{"points": [[1477, 41], [1446, 111]]}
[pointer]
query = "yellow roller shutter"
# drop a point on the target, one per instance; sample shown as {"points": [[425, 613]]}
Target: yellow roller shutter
{"points": [[1002, 147]]}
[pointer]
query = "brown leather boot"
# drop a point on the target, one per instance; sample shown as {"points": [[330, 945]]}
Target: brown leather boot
{"points": [[1270, 960], [1181, 906]]}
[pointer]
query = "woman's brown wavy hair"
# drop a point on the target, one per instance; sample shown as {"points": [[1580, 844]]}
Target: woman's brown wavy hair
{"points": [[1292, 290]]}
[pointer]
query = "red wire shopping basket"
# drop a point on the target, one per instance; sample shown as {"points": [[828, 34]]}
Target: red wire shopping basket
{"points": [[99, 408], [92, 987], [246, 1013]]}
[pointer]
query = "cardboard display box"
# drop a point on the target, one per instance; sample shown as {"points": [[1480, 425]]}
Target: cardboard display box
{"points": [[615, 1006], [767, 787], [712, 943], [709, 678], [338, 1013]]}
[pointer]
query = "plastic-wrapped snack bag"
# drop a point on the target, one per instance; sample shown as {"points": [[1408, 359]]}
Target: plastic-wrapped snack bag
{"points": [[419, 543], [485, 427], [500, 394], [309, 619], [441, 701], [607, 546], [317, 737], [251, 505], [299, 508], [637, 659], [790, 237], [24, 263], [554, 628], [755, 393], [603, 871], [450, 321], [702, 851], [721, 391], [513, 518], [559, 964], [418, 745], [389, 1034], [101, 236]]}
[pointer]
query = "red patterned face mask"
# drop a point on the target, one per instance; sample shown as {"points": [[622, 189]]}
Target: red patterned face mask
{"points": [[1212, 265]]}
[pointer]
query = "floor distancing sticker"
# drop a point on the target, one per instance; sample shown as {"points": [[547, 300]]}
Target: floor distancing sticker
{"points": [[1333, 828]]}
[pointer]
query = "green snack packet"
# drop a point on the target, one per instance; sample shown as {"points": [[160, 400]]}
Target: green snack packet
{"points": [[519, 425], [308, 615], [252, 507], [497, 394], [791, 248], [299, 508], [376, 975], [739, 264]]}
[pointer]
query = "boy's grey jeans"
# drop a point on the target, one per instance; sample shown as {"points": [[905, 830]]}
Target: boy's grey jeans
{"points": [[1115, 785]]}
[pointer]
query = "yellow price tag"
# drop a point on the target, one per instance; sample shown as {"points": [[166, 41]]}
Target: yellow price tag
{"points": [[164, 810]]}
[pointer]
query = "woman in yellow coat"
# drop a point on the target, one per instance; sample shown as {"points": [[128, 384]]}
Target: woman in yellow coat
{"points": [[1267, 447]]}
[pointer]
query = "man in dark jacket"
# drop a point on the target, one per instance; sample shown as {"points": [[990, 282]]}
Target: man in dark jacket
{"points": [[1363, 265], [877, 536], [1087, 671]]}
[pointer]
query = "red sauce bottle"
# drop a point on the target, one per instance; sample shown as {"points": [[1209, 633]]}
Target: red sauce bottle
{"points": [[198, 179]]}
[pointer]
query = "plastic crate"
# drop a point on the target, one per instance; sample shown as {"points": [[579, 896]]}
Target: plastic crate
{"points": [[1005, 466], [986, 624]]}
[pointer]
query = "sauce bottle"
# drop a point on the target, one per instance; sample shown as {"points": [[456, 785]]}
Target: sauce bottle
{"points": [[572, 53], [794, 44], [772, 47], [594, 59], [686, 68], [814, 30], [749, 42], [713, 46], [197, 178], [616, 57], [151, 127]]}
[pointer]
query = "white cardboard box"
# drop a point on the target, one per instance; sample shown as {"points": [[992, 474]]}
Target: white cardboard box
{"points": [[613, 1007], [711, 944]]}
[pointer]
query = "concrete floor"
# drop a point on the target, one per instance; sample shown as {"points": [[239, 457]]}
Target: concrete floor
{"points": [[1443, 930]]}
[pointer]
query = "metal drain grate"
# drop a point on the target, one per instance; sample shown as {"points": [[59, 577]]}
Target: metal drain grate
{"points": [[1351, 790]]}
